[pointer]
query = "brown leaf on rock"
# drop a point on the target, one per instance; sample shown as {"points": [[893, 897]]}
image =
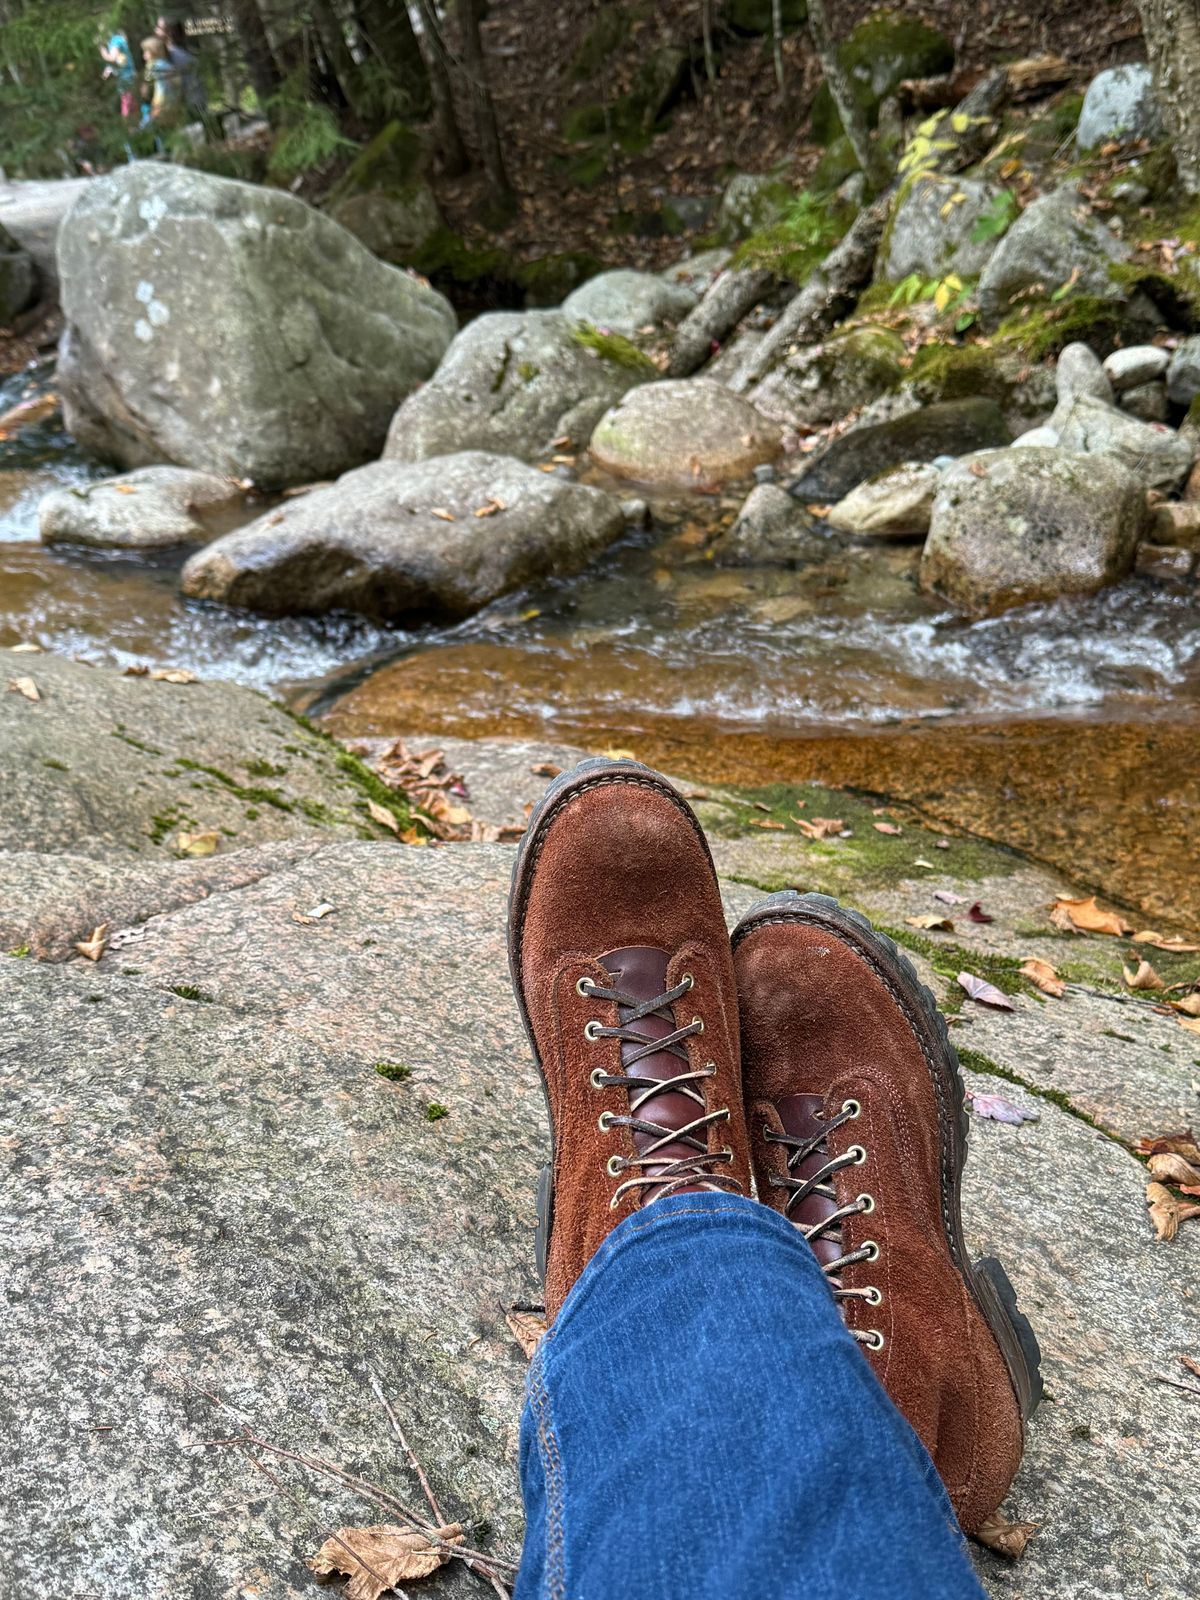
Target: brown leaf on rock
{"points": [[526, 1328], [1043, 976], [930, 922], [978, 914], [1182, 1144], [766, 822], [1085, 916], [26, 687], [1192, 1024], [1189, 1005], [885, 827], [1005, 1537], [94, 946], [380, 1557], [545, 769], [985, 993], [442, 514], [819, 827], [1166, 1212], [173, 675], [1191, 1364], [1143, 977], [1171, 1168], [384, 817], [203, 843], [1157, 942]]}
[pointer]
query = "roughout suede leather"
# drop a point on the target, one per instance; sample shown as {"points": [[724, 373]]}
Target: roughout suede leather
{"points": [[619, 863], [818, 1018]]}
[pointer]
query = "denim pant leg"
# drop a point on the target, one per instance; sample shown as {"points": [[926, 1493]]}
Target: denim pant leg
{"points": [[700, 1426]]}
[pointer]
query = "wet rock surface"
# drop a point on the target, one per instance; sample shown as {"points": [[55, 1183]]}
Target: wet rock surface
{"points": [[688, 433], [271, 1222], [394, 539], [950, 427], [151, 508]]}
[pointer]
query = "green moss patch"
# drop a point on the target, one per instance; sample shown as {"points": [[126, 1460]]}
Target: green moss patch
{"points": [[393, 1071], [614, 347], [1043, 328]]}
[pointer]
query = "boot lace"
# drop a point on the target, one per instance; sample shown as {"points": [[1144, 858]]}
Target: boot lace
{"points": [[651, 1171], [831, 1226]]}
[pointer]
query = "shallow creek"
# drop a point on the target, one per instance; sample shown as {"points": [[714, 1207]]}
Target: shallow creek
{"points": [[1066, 729]]}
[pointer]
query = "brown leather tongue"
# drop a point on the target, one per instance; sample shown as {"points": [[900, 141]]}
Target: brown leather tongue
{"points": [[641, 974], [799, 1115]]}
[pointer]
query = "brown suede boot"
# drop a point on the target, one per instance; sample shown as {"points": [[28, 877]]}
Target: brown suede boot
{"points": [[858, 1132], [621, 965]]}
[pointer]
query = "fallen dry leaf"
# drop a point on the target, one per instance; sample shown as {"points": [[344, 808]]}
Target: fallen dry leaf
{"points": [[1005, 1537], [996, 1109], [125, 488], [1171, 1168], [384, 817], [545, 769], [314, 913], [1166, 1212], [930, 922], [1043, 976], [526, 1328], [1144, 977], [766, 822], [94, 946], [203, 843], [1158, 942], [173, 675], [25, 686], [1085, 916], [977, 469], [26, 648], [978, 914], [443, 515], [380, 1557], [819, 827], [1191, 1364], [1182, 1144], [948, 897], [885, 827], [1192, 1024], [985, 993], [1189, 1005]]}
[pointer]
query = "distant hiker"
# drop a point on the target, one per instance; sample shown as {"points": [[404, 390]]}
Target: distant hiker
{"points": [[162, 82], [120, 65], [184, 65]]}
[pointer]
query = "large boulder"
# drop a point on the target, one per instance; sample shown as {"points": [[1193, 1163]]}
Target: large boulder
{"points": [[18, 278], [931, 229], [949, 428], [816, 384], [1010, 527], [233, 329], [1120, 104], [628, 302], [392, 226], [143, 510], [1158, 455], [690, 433], [1183, 373], [513, 382], [397, 540], [877, 56], [1054, 241], [32, 213]]}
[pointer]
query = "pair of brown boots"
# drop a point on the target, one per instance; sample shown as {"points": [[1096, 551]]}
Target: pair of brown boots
{"points": [[807, 1063]]}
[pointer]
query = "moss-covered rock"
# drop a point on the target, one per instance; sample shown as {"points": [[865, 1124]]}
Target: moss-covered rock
{"points": [[393, 226], [879, 54], [548, 280], [821, 383], [752, 201]]}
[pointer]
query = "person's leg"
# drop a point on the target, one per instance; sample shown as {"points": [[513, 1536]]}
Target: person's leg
{"points": [[700, 1425]]}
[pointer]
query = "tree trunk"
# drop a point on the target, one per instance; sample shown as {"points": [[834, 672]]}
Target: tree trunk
{"points": [[777, 49], [256, 48], [486, 129], [1172, 32], [388, 33], [332, 34], [723, 306], [454, 154], [854, 122]]}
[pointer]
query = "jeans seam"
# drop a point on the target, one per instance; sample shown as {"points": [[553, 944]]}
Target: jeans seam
{"points": [[552, 1468]]}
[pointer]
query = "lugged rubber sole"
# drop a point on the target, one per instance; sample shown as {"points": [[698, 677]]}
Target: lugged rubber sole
{"points": [[986, 1279]]}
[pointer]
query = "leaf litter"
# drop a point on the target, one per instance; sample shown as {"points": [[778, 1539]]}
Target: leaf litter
{"points": [[1043, 976], [986, 994], [379, 1557], [1085, 916]]}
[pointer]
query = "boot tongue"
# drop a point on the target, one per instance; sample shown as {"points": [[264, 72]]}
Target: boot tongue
{"points": [[799, 1114], [640, 973]]}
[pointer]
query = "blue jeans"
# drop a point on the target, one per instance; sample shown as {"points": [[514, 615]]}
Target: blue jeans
{"points": [[700, 1426]]}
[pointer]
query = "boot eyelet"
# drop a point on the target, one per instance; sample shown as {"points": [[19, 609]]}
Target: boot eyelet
{"points": [[698, 1024], [874, 1296], [851, 1108], [591, 1031], [871, 1248], [584, 986], [688, 981], [874, 1339], [865, 1204], [604, 1121], [615, 1166], [598, 1077], [857, 1153]]}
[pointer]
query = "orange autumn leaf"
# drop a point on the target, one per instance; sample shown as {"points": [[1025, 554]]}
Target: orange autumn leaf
{"points": [[1144, 977], [1043, 976], [381, 1557], [1005, 1537], [1166, 1212], [1085, 916]]}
